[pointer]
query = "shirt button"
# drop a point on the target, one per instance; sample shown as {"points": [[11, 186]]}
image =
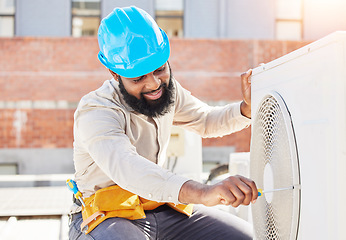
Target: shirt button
{"points": [[150, 195]]}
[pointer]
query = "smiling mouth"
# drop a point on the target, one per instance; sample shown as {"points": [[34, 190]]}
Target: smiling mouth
{"points": [[154, 95]]}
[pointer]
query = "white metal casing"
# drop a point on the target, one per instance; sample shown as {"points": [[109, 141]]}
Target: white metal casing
{"points": [[312, 83]]}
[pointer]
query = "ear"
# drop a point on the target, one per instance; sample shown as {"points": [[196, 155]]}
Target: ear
{"points": [[115, 76]]}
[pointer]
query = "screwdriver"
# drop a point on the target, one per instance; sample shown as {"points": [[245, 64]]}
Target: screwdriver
{"points": [[73, 187], [261, 191]]}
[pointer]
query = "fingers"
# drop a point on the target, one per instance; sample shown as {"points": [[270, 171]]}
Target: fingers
{"points": [[245, 194], [234, 190], [246, 87], [227, 197], [252, 185], [239, 190], [246, 76]]}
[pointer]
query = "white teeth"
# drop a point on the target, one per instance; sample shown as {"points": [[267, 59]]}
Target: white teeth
{"points": [[154, 93]]}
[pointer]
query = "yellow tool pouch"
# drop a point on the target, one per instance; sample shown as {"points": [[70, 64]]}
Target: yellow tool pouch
{"points": [[114, 201]]}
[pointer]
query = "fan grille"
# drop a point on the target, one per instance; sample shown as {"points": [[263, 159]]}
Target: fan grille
{"points": [[273, 144]]}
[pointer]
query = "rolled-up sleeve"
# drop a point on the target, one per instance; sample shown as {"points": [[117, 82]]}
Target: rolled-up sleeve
{"points": [[101, 132], [205, 120]]}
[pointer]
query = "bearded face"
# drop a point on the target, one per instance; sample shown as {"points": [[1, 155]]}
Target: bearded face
{"points": [[150, 102]]}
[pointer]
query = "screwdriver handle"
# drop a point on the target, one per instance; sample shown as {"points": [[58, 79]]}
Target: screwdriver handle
{"points": [[260, 192], [73, 188]]}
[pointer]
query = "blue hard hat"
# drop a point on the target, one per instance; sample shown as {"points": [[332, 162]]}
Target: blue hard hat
{"points": [[131, 43]]}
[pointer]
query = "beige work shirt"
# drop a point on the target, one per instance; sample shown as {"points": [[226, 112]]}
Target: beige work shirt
{"points": [[115, 145]]}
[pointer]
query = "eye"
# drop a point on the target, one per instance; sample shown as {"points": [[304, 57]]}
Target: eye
{"points": [[161, 69], [138, 79]]}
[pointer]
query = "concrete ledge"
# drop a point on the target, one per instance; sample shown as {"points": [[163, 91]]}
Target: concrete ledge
{"points": [[18, 181]]}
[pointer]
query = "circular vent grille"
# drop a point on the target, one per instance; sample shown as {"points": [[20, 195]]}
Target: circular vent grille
{"points": [[274, 165]]}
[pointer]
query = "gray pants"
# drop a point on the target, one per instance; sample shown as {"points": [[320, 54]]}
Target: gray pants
{"points": [[166, 223]]}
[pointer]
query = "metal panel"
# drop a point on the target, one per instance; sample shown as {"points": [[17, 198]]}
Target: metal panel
{"points": [[43, 18], [201, 19], [249, 19], [230, 19], [311, 80]]}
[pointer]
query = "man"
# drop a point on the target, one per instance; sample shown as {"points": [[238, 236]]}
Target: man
{"points": [[121, 135]]}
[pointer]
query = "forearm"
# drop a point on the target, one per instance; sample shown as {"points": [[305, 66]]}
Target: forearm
{"points": [[191, 192], [208, 195], [207, 121], [245, 109], [226, 120]]}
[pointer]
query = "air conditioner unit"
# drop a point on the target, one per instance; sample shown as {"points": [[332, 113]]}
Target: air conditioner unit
{"points": [[299, 143], [184, 154]]}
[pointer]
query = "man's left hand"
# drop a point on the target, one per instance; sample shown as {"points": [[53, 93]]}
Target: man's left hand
{"points": [[245, 106]]}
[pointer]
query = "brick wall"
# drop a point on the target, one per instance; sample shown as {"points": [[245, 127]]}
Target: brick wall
{"points": [[42, 80]]}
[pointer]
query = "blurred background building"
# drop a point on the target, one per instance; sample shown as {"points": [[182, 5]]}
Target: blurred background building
{"points": [[48, 61], [237, 19], [48, 50]]}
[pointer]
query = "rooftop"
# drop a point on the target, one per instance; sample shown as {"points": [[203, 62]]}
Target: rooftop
{"points": [[34, 207]]}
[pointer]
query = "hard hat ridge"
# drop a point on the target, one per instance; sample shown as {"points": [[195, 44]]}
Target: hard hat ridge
{"points": [[131, 44]]}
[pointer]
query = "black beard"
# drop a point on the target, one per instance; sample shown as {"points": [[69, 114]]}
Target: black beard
{"points": [[155, 108]]}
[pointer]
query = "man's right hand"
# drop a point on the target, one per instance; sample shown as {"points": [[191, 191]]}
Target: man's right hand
{"points": [[234, 190]]}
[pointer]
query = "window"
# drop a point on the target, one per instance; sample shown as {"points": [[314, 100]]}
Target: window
{"points": [[169, 16], [289, 19], [86, 15], [7, 11], [8, 168]]}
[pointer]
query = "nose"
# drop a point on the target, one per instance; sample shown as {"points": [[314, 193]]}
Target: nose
{"points": [[152, 82]]}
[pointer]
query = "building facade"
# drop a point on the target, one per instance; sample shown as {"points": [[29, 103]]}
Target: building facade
{"points": [[48, 62], [236, 19]]}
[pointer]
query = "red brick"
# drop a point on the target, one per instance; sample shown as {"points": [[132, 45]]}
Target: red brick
{"points": [[53, 69]]}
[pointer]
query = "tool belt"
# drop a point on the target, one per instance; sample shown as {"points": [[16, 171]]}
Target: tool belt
{"points": [[114, 201]]}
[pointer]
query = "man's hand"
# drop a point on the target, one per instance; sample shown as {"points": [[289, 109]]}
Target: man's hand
{"points": [[245, 106], [234, 190]]}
